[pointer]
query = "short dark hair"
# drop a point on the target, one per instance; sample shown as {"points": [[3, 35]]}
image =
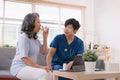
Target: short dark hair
{"points": [[28, 24], [73, 22]]}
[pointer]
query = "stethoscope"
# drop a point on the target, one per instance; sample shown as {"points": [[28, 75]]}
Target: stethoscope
{"points": [[72, 47], [71, 50]]}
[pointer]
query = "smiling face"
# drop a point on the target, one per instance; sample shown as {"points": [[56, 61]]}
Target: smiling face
{"points": [[71, 27], [69, 30]]}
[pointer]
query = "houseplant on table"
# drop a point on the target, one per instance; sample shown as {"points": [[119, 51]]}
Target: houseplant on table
{"points": [[90, 58]]}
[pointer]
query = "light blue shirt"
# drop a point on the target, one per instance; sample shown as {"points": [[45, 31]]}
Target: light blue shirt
{"points": [[25, 48]]}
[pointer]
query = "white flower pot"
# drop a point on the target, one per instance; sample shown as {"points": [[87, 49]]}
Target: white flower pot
{"points": [[90, 66]]}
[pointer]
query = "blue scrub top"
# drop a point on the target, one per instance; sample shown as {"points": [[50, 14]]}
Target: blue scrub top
{"points": [[66, 52]]}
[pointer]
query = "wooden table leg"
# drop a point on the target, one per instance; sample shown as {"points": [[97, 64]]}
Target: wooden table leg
{"points": [[55, 77]]}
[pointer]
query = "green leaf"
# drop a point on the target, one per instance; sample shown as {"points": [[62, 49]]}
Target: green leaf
{"points": [[90, 55]]}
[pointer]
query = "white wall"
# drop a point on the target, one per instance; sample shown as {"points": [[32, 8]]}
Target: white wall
{"points": [[107, 23]]}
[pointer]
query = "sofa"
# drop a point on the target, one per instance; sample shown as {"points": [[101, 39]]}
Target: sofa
{"points": [[6, 56]]}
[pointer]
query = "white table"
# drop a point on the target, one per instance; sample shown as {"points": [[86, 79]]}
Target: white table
{"points": [[86, 76]]}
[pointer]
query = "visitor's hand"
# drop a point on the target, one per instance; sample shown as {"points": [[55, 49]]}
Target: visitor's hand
{"points": [[45, 32], [69, 65], [46, 68], [49, 67]]}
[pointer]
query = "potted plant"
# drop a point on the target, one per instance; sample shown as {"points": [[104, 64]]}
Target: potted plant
{"points": [[90, 58]]}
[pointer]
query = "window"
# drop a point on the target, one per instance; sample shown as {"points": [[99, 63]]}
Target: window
{"points": [[13, 20], [1, 15], [49, 16], [54, 17], [54, 29], [70, 13], [17, 10], [10, 34], [49, 13], [1, 8]]}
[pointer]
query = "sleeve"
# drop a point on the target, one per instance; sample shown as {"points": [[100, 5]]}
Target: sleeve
{"points": [[23, 47], [54, 42], [81, 48]]}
